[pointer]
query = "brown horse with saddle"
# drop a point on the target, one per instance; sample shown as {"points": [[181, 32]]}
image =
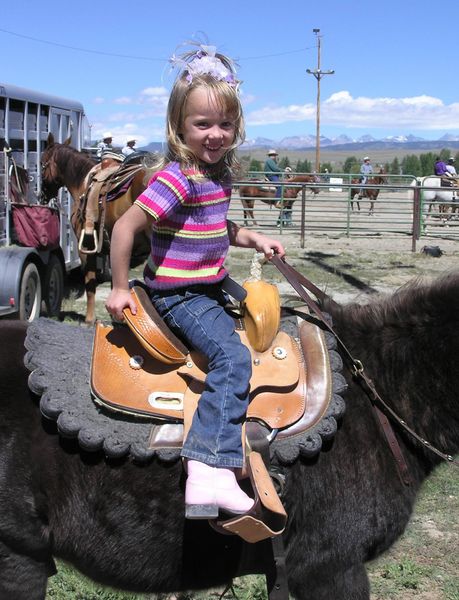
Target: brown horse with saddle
{"points": [[101, 193], [251, 190], [370, 194]]}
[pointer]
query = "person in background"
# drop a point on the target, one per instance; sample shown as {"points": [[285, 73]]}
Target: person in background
{"points": [[451, 168], [272, 169], [285, 215], [129, 147], [453, 174], [186, 206], [440, 168], [105, 144], [366, 170], [272, 172]]}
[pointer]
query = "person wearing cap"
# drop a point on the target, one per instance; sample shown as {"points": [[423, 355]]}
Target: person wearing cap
{"points": [[105, 144], [129, 147], [451, 168], [366, 170]]}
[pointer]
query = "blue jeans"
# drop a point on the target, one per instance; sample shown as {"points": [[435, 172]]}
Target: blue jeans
{"points": [[198, 317], [276, 178]]}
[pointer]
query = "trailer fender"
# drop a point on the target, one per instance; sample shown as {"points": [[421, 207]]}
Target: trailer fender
{"points": [[12, 261]]}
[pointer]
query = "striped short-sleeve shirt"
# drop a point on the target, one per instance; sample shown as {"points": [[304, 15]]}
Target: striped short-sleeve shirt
{"points": [[189, 241]]}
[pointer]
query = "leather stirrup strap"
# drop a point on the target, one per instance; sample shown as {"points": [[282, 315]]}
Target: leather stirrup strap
{"points": [[276, 577]]}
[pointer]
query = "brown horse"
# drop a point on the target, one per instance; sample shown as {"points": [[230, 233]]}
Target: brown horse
{"points": [[371, 194], [251, 190], [63, 165]]}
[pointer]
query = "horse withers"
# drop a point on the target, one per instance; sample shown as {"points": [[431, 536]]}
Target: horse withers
{"points": [[62, 166]]}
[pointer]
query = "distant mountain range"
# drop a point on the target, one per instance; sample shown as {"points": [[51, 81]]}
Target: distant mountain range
{"points": [[342, 142]]}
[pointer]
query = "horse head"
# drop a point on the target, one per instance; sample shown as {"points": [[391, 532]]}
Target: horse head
{"points": [[61, 165], [50, 180]]}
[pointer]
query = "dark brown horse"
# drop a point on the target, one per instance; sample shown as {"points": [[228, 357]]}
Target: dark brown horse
{"points": [[370, 194], [122, 523], [63, 165], [266, 192]]}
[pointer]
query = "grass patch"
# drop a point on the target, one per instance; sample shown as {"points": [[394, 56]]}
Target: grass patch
{"points": [[69, 583]]}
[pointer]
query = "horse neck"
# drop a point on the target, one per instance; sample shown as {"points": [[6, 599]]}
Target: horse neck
{"points": [[73, 169], [416, 318]]}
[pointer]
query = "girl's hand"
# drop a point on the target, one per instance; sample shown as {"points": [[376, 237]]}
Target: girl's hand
{"points": [[117, 301], [269, 247]]}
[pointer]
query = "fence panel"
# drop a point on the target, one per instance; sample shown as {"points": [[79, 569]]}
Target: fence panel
{"points": [[398, 209]]}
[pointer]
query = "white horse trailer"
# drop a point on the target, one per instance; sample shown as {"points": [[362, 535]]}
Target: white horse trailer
{"points": [[32, 278]]}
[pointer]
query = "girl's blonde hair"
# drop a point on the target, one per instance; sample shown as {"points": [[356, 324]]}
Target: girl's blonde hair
{"points": [[222, 91]]}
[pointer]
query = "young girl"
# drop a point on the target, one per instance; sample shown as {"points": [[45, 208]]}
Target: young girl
{"points": [[186, 205]]}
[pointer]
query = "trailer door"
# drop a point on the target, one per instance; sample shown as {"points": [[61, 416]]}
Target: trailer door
{"points": [[62, 126]]}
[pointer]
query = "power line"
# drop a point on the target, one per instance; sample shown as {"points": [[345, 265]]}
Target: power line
{"points": [[34, 39], [133, 57]]}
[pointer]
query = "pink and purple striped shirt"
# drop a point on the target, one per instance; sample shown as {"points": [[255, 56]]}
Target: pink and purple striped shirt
{"points": [[189, 241]]}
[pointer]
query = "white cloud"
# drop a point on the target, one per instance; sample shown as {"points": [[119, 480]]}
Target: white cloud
{"points": [[154, 91], [123, 100], [417, 112]]}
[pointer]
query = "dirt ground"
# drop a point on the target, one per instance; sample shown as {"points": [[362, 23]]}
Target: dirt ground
{"points": [[347, 268]]}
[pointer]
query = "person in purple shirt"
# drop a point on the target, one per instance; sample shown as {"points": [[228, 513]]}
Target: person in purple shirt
{"points": [[440, 168]]}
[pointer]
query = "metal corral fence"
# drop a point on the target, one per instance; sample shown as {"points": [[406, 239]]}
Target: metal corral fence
{"points": [[400, 208]]}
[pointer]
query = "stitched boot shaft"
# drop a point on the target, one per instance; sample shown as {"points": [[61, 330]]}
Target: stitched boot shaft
{"points": [[210, 489]]}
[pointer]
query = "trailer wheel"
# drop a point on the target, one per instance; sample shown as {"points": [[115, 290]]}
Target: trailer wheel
{"points": [[54, 286], [30, 293]]}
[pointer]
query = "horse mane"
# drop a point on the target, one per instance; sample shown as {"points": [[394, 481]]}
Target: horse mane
{"points": [[406, 342], [73, 165], [416, 301]]}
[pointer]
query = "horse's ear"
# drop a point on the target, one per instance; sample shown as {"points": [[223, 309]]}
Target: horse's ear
{"points": [[50, 140], [67, 141]]}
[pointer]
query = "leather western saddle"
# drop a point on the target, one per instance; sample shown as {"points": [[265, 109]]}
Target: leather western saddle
{"points": [[104, 183], [145, 370]]}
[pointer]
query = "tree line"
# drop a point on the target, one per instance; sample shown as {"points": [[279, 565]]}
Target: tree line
{"points": [[418, 165]]}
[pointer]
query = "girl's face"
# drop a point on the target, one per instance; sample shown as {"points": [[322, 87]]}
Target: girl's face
{"points": [[207, 129]]}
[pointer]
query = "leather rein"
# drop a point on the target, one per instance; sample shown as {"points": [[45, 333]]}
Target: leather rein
{"points": [[384, 412]]}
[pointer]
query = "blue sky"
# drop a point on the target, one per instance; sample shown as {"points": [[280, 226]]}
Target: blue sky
{"points": [[393, 61]]}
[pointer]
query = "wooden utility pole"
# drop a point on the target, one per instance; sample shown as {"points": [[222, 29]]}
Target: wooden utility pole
{"points": [[318, 74]]}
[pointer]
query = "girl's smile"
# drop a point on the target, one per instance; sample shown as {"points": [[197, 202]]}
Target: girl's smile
{"points": [[207, 129]]}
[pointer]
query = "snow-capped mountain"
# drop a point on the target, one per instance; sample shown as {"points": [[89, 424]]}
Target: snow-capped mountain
{"points": [[448, 137], [343, 142]]}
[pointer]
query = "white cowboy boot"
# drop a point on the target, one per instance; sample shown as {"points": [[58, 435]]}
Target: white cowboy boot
{"points": [[210, 489]]}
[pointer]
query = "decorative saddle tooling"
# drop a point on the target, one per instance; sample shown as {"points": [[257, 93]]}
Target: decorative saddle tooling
{"points": [[145, 370]]}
